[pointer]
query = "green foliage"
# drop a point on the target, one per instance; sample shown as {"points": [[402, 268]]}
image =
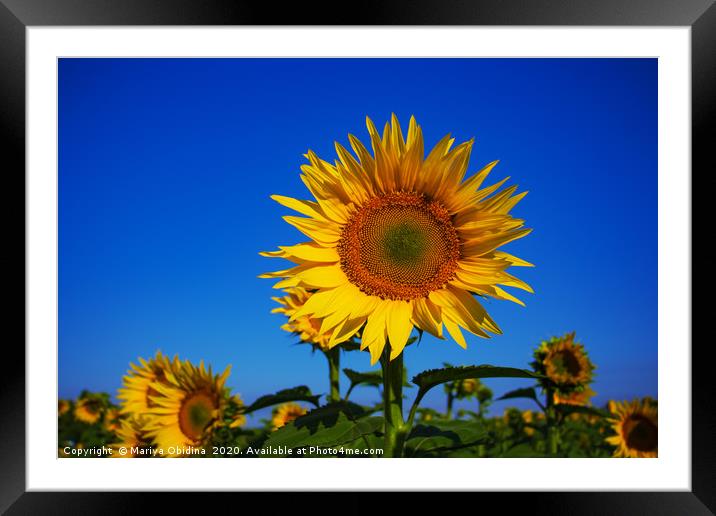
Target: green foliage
{"points": [[439, 436], [566, 410], [328, 426], [432, 377], [372, 378], [300, 393]]}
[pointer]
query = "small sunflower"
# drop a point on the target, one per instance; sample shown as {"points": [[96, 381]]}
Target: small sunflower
{"points": [[111, 420], [467, 388], [564, 362], [137, 388], [89, 409], [284, 414], [530, 419], [187, 407], [306, 327], [132, 437], [399, 241], [637, 431], [577, 397], [63, 407]]}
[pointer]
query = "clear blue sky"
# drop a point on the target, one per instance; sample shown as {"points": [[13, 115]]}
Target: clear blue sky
{"points": [[165, 172]]}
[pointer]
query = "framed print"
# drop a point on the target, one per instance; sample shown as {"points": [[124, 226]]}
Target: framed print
{"points": [[445, 252]]}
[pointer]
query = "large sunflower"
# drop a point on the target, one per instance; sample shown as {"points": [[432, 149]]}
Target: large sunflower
{"points": [[564, 362], [284, 414], [637, 431], [399, 240], [187, 406], [137, 384], [306, 327]]}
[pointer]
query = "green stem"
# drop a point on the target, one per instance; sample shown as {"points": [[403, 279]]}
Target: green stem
{"points": [[334, 360], [450, 399], [348, 392], [395, 430], [552, 429]]}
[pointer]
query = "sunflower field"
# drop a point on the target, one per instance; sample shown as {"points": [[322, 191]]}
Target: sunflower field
{"points": [[398, 243]]}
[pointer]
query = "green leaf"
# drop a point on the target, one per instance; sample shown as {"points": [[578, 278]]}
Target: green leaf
{"points": [[528, 392], [444, 435], [522, 450], [374, 378], [432, 377], [300, 393], [327, 426]]}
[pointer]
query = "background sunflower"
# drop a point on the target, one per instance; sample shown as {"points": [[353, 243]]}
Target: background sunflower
{"points": [[636, 429]]}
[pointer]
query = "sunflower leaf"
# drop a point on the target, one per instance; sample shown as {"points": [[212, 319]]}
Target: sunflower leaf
{"points": [[328, 426], [527, 392], [444, 435], [432, 377], [521, 450], [371, 378], [300, 393], [374, 378]]}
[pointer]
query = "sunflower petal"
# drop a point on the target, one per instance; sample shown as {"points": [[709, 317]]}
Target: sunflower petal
{"points": [[399, 326]]}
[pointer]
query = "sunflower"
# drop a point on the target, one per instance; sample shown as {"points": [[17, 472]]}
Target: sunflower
{"points": [[564, 362], [467, 387], [637, 431], [132, 437], [284, 414], [306, 327], [89, 409], [530, 420], [137, 384], [63, 407], [399, 241], [577, 397], [188, 406], [111, 420]]}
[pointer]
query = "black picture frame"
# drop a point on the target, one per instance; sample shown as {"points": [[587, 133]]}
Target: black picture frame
{"points": [[17, 15]]}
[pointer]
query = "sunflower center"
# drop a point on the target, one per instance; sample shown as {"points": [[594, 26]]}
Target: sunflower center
{"points": [[640, 433], [195, 414], [566, 362], [399, 246], [93, 406]]}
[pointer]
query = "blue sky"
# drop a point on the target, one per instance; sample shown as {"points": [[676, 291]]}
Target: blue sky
{"points": [[165, 172]]}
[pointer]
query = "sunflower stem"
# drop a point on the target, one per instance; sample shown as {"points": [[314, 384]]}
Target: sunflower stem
{"points": [[552, 429], [334, 361], [450, 399], [395, 431]]}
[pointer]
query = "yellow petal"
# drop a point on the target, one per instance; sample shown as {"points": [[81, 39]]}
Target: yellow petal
{"points": [[311, 252], [517, 262], [327, 276], [349, 328], [454, 331], [308, 208], [491, 242], [399, 326], [318, 303], [427, 317], [322, 232]]}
